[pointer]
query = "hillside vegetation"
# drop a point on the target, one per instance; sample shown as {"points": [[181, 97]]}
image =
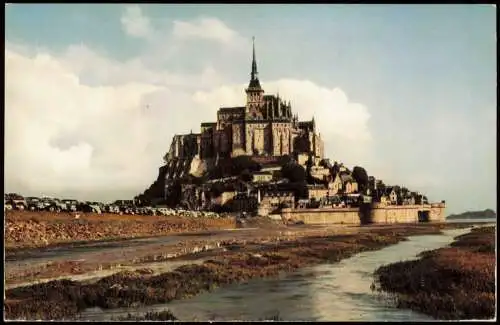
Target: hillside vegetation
{"points": [[486, 214]]}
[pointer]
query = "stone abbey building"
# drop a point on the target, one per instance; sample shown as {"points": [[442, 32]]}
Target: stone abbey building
{"points": [[265, 126], [264, 130]]}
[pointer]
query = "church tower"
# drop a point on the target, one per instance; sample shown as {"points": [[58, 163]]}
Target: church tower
{"points": [[255, 93]]}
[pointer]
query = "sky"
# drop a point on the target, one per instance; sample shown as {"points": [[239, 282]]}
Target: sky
{"points": [[95, 92]]}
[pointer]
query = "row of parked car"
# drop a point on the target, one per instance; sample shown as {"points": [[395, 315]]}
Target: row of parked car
{"points": [[13, 201]]}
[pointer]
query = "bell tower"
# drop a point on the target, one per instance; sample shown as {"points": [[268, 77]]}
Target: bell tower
{"points": [[255, 93]]}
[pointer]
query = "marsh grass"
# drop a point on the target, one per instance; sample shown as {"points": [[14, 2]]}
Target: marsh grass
{"points": [[64, 298], [456, 282]]}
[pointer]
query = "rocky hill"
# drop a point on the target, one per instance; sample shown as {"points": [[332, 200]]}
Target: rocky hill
{"points": [[486, 214]]}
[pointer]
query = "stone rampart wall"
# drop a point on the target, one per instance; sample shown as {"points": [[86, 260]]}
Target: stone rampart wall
{"points": [[380, 215], [323, 216]]}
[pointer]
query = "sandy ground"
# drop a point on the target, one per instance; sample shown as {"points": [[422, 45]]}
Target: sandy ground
{"points": [[238, 259], [43, 264], [200, 239], [27, 229]]}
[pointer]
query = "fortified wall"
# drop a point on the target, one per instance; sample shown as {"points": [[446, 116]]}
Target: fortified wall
{"points": [[379, 214], [348, 216]]}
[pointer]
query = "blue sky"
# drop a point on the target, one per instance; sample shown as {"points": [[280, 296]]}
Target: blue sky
{"points": [[407, 91]]}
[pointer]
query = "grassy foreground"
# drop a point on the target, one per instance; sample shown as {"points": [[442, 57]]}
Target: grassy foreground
{"points": [[456, 282], [64, 299]]}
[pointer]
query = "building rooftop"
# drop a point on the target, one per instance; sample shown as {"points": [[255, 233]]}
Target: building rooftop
{"points": [[231, 109]]}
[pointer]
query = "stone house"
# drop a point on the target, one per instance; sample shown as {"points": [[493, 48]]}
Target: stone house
{"points": [[390, 192], [348, 183], [262, 177], [351, 187], [302, 204], [320, 172], [271, 168], [317, 192], [409, 198], [226, 197], [366, 199], [243, 202], [335, 185], [276, 199]]}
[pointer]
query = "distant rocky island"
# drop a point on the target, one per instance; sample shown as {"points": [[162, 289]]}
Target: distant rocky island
{"points": [[486, 214]]}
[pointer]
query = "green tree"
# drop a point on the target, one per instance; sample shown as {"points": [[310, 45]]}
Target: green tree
{"points": [[335, 169], [294, 173], [246, 175], [242, 163], [217, 189], [283, 160], [174, 194], [361, 177]]}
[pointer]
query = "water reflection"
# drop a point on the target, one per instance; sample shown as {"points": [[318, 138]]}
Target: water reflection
{"points": [[329, 292]]}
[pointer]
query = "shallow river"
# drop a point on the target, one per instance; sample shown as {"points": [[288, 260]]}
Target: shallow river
{"points": [[328, 292]]}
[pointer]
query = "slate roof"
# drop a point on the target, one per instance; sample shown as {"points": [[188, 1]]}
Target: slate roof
{"points": [[388, 190], [231, 109], [346, 178]]}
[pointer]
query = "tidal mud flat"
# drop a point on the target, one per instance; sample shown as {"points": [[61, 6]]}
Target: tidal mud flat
{"points": [[65, 299], [451, 283]]}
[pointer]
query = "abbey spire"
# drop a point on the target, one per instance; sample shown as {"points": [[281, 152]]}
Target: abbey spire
{"points": [[255, 93], [254, 62], [254, 76]]}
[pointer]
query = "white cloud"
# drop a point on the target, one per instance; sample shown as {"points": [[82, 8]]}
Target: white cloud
{"points": [[72, 128], [96, 69], [83, 123], [46, 103], [207, 28], [135, 23], [105, 134]]}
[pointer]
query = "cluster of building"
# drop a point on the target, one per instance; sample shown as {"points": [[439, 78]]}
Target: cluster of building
{"points": [[269, 192], [266, 130], [264, 127]]}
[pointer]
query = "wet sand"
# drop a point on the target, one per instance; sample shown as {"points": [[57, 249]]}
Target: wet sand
{"points": [[244, 255]]}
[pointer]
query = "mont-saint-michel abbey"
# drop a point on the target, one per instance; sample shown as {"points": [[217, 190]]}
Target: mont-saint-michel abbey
{"points": [[265, 126], [261, 159], [174, 168]]}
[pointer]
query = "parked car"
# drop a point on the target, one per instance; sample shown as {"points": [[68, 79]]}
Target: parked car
{"points": [[125, 206], [34, 203], [7, 205], [53, 205], [90, 207], [112, 208], [16, 201], [71, 205]]}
